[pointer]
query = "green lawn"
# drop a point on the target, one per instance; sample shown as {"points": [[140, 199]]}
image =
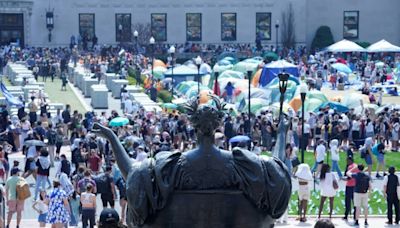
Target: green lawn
{"points": [[391, 158], [53, 89]]}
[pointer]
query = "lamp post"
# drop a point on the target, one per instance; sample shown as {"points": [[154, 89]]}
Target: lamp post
{"points": [[171, 51], [277, 35], [249, 73], [198, 61], [152, 42], [303, 93], [283, 80], [135, 36], [49, 22]]}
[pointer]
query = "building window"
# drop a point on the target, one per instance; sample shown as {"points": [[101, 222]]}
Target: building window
{"points": [[86, 25], [11, 28], [193, 26], [350, 24], [159, 26], [228, 26], [263, 26], [123, 26]]}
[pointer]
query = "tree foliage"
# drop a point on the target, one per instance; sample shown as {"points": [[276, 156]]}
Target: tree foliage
{"points": [[323, 38]]}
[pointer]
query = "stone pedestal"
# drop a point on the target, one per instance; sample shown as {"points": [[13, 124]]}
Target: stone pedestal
{"points": [[109, 78], [116, 86], [99, 96], [87, 86], [133, 89]]}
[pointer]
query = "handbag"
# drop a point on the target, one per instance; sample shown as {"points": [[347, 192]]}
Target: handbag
{"points": [[335, 185], [295, 162]]}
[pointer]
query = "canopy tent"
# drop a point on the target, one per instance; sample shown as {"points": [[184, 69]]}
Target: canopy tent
{"points": [[383, 46], [345, 46], [182, 73], [271, 71]]}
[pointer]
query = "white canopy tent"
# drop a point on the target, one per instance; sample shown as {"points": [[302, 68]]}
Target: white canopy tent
{"points": [[345, 46], [383, 46]]}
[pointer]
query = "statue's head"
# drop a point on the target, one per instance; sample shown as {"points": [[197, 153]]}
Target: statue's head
{"points": [[205, 117]]}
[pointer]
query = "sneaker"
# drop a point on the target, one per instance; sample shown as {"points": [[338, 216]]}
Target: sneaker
{"points": [[365, 223], [388, 222], [378, 176], [356, 223], [344, 218]]}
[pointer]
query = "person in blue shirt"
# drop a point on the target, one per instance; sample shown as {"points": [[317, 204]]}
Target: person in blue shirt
{"points": [[229, 92], [378, 151]]}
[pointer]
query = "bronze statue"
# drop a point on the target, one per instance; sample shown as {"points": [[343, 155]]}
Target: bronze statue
{"points": [[167, 190]]}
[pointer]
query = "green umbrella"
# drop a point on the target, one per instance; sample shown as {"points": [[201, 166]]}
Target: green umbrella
{"points": [[118, 122]]}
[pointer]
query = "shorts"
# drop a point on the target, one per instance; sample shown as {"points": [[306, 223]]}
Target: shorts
{"points": [[361, 200], [107, 199], [42, 217], [304, 192], [15, 205], [368, 159]]}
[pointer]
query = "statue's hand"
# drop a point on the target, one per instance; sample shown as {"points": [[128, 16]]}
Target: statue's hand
{"points": [[101, 130]]}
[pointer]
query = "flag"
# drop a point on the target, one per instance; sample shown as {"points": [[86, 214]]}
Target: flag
{"points": [[242, 104], [217, 90], [11, 100]]}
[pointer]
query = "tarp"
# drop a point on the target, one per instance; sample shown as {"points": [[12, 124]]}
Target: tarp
{"points": [[11, 100], [271, 71], [383, 46], [345, 46]]}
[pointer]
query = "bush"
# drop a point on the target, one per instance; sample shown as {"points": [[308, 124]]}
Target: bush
{"points": [[164, 96], [323, 38]]}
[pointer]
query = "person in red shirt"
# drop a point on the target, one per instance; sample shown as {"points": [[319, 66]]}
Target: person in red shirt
{"points": [[351, 182], [94, 162]]}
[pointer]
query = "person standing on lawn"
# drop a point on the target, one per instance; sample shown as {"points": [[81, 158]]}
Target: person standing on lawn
{"points": [[363, 185], [379, 151], [349, 192], [320, 153], [390, 184], [335, 157], [303, 175]]}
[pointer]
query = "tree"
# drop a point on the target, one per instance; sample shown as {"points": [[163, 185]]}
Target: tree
{"points": [[288, 28], [144, 31], [323, 38]]}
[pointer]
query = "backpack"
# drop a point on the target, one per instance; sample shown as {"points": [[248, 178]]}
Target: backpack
{"points": [[66, 167], [102, 183], [59, 138], [52, 137], [22, 189], [363, 182]]}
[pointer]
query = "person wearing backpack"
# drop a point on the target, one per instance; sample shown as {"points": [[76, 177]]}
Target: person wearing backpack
{"points": [[363, 185], [13, 204], [85, 181], [390, 186], [107, 188], [51, 136], [59, 141], [65, 166]]}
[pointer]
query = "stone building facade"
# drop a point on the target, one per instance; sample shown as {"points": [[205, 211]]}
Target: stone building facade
{"points": [[207, 21]]}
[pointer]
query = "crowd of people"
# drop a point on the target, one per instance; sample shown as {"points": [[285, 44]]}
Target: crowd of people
{"points": [[91, 169]]}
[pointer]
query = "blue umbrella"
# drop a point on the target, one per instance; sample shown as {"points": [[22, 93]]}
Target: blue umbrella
{"points": [[342, 68], [118, 122], [239, 138]]}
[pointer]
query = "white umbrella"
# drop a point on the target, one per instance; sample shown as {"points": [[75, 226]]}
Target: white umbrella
{"points": [[345, 46], [383, 46]]}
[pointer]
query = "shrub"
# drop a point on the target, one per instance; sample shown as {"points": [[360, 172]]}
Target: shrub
{"points": [[323, 38], [164, 96]]}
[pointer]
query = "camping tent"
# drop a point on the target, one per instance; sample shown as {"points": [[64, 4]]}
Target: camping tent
{"points": [[182, 73], [271, 71], [383, 46], [345, 46]]}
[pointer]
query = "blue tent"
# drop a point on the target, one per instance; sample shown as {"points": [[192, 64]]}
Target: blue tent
{"points": [[271, 71]]}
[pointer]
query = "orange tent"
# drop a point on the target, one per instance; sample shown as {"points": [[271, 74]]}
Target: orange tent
{"points": [[256, 78], [204, 96], [160, 63], [295, 103]]}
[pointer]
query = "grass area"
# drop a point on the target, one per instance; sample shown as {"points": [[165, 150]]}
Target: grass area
{"points": [[53, 89], [391, 158], [376, 204]]}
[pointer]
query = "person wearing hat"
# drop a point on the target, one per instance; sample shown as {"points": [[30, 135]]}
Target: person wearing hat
{"points": [[14, 205], [109, 218], [390, 185], [303, 175]]}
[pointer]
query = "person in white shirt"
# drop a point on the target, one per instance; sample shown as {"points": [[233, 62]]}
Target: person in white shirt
{"points": [[328, 186], [320, 153], [335, 156], [128, 106], [40, 206]]}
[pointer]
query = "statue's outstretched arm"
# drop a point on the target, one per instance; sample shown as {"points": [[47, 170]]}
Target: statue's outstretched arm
{"points": [[122, 158]]}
